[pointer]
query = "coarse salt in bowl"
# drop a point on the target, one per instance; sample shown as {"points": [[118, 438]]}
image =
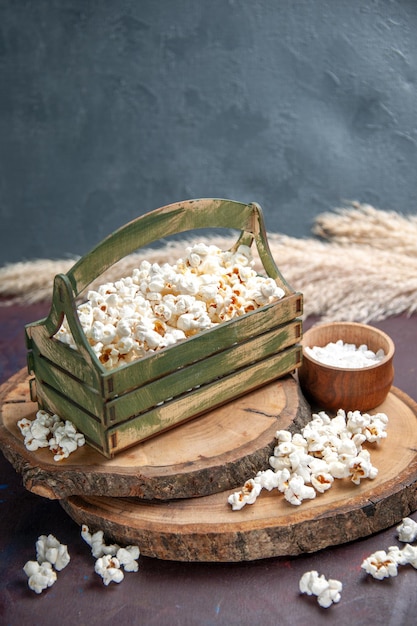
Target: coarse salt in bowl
{"points": [[346, 365]]}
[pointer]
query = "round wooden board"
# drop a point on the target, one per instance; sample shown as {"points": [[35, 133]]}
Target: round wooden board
{"points": [[214, 452], [206, 529]]}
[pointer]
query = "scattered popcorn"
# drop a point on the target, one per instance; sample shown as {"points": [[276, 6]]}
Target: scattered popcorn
{"points": [[108, 567], [327, 591], [159, 305], [49, 549], [407, 530], [268, 479], [34, 432], [297, 490], [110, 558], [49, 431], [381, 564], [345, 355], [399, 556], [322, 481], [41, 576], [247, 495], [96, 543], [127, 557], [304, 464], [361, 467], [50, 554], [65, 439], [409, 555], [375, 430]]}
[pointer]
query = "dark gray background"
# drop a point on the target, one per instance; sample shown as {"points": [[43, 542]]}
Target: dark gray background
{"points": [[110, 109]]}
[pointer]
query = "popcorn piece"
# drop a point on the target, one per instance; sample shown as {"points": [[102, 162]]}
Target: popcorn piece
{"points": [[331, 595], [376, 429], [283, 477], [24, 425], [312, 584], [300, 464], [298, 491], [327, 591], [108, 567], [248, 494], [283, 435], [96, 543], [66, 439], [380, 565], [407, 530], [41, 576], [337, 469], [268, 479], [322, 481], [357, 421], [346, 450], [49, 549], [87, 536], [409, 555], [279, 462], [300, 442], [128, 557], [361, 467], [399, 556], [35, 434], [110, 557]]}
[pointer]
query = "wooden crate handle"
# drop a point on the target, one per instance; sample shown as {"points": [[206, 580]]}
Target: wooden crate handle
{"points": [[171, 219], [64, 304]]}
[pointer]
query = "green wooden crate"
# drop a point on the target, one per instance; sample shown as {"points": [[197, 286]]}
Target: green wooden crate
{"points": [[118, 408]]}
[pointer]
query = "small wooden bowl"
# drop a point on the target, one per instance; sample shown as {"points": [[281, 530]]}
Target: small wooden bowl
{"points": [[332, 388]]}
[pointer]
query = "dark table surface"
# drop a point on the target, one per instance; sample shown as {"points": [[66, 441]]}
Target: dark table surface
{"points": [[170, 593]]}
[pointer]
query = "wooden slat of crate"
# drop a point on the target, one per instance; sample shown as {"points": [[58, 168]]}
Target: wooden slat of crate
{"points": [[50, 374], [60, 354], [170, 413], [203, 372], [206, 397], [172, 385], [203, 345], [114, 383]]}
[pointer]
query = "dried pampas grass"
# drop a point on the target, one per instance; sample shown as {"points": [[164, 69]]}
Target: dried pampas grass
{"points": [[364, 267], [364, 225]]}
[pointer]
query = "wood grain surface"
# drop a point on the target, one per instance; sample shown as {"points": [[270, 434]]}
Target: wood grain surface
{"points": [[206, 528], [211, 453]]}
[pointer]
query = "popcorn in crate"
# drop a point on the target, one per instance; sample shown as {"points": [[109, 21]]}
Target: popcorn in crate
{"points": [[118, 394]]}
